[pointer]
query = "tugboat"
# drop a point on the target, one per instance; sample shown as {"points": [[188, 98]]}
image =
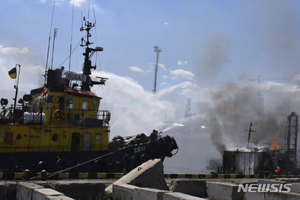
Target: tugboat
{"points": [[60, 125]]}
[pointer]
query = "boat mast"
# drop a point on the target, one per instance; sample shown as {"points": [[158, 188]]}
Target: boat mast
{"points": [[16, 94], [49, 44], [89, 52], [54, 36], [70, 56]]}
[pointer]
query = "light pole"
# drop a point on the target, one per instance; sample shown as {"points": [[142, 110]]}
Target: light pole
{"points": [[157, 50]]}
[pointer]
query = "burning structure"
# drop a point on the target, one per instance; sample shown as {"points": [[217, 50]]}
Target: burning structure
{"points": [[272, 159]]}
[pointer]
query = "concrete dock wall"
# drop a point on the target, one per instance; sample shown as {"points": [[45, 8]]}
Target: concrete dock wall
{"points": [[180, 196], [93, 189], [191, 187], [25, 190], [130, 192], [123, 191], [149, 194], [295, 187], [224, 191], [145, 182], [31, 191], [48, 194], [217, 189], [8, 190], [272, 195], [149, 174]]}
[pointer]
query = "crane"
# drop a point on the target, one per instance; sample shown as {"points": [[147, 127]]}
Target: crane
{"points": [[266, 79]]}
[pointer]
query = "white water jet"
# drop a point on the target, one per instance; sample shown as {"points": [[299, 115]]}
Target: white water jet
{"points": [[134, 110]]}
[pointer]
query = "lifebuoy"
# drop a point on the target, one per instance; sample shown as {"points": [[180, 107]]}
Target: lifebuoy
{"points": [[108, 118], [59, 115]]}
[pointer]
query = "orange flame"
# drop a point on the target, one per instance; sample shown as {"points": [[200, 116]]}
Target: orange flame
{"points": [[274, 145], [277, 170]]}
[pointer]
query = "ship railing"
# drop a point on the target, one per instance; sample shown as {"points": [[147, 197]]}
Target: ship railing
{"points": [[8, 115], [79, 117]]}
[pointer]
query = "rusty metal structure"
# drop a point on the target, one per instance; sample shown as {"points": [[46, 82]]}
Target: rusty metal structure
{"points": [[254, 160], [291, 138]]}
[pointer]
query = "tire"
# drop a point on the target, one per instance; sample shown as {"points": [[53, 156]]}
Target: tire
{"points": [[144, 157], [168, 142], [16, 169], [111, 165], [174, 143], [44, 165], [100, 165], [126, 161], [62, 164], [136, 160]]}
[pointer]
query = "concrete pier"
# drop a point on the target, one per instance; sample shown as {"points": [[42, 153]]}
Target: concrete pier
{"points": [[150, 174], [25, 190], [147, 182], [192, 187], [8, 190], [224, 191], [94, 189]]}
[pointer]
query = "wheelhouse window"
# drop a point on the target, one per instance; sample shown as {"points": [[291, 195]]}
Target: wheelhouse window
{"points": [[85, 105], [70, 102], [96, 104]]}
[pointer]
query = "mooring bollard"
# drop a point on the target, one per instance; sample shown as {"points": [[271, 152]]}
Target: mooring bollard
{"points": [[26, 174], [44, 175]]}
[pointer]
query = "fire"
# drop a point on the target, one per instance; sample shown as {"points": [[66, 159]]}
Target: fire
{"points": [[274, 145], [277, 170]]}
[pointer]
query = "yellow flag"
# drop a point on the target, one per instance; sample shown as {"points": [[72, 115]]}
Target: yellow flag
{"points": [[13, 73]]}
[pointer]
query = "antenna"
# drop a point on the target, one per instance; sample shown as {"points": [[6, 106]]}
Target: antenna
{"points": [[249, 133], [89, 12], [94, 13], [54, 36], [89, 52], [71, 37], [82, 18], [157, 50], [49, 43]]}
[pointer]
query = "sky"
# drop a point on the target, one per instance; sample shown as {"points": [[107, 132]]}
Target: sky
{"points": [[212, 51]]}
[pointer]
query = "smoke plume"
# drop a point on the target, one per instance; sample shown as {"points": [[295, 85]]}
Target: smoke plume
{"points": [[234, 106]]}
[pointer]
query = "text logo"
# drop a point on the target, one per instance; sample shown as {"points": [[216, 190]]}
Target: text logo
{"points": [[264, 187]]}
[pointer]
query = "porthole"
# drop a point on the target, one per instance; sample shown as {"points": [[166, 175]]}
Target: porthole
{"points": [[55, 137], [19, 137], [98, 137]]}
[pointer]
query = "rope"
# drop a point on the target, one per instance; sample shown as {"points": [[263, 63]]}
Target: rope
{"points": [[84, 163], [70, 54]]}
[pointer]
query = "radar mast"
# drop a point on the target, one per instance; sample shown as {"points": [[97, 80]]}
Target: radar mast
{"points": [[89, 52]]}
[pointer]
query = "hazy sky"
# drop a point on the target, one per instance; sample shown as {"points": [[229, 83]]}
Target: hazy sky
{"points": [[205, 43]]}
